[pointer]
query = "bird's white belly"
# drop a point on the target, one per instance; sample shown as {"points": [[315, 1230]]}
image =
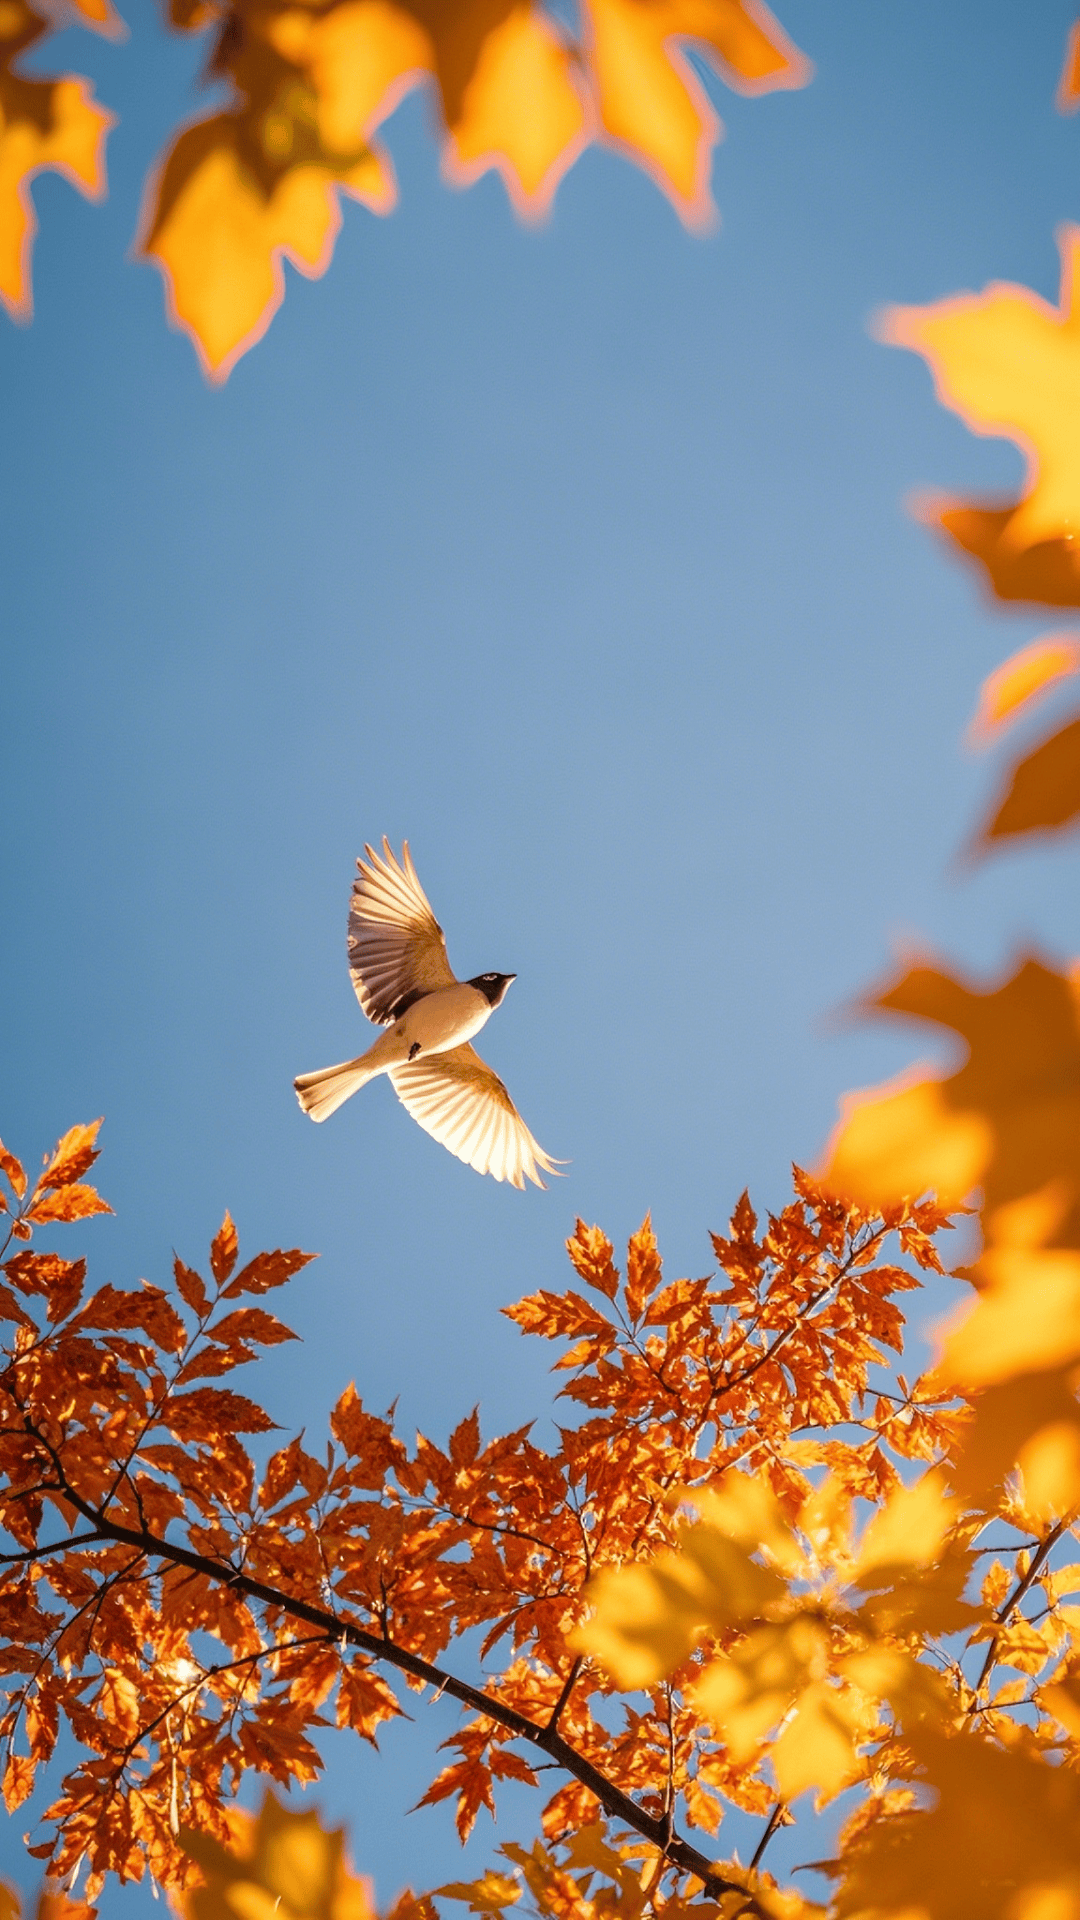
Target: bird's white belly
{"points": [[445, 1019]]}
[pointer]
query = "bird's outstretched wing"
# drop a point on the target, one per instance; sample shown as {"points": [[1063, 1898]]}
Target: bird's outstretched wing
{"points": [[397, 951], [464, 1105]]}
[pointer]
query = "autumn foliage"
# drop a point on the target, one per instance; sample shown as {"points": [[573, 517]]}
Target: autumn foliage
{"points": [[722, 1586], [759, 1567]]}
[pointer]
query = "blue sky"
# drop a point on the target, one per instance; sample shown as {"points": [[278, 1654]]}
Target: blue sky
{"points": [[577, 555]]}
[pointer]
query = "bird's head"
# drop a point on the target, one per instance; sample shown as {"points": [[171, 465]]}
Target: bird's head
{"points": [[492, 985]]}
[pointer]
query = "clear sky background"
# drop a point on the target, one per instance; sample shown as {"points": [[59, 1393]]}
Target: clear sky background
{"points": [[578, 555]]}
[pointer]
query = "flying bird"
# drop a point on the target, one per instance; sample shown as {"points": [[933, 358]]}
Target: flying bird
{"points": [[403, 981]]}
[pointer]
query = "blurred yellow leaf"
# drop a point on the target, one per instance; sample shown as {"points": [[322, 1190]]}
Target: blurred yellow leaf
{"points": [[744, 1508], [50, 124], [1002, 1840], [1008, 1119], [647, 1617], [1007, 1417], [225, 215], [649, 99], [908, 1532], [1009, 365], [1026, 1318], [1020, 681], [282, 1863], [780, 1672], [242, 190]]}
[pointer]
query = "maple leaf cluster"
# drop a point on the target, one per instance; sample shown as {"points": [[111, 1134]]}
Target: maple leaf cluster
{"points": [[189, 1618], [513, 89]]}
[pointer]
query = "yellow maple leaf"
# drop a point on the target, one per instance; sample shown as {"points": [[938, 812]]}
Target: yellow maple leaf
{"points": [[242, 190], [44, 124], [649, 99], [1009, 364], [1008, 1119], [224, 215]]}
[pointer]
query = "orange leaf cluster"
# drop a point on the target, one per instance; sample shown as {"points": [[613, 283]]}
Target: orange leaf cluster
{"points": [[189, 1616]]}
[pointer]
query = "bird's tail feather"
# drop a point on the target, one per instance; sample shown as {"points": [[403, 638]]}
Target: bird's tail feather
{"points": [[321, 1094]]}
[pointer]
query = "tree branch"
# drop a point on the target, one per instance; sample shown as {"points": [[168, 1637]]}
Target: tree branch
{"points": [[547, 1738]]}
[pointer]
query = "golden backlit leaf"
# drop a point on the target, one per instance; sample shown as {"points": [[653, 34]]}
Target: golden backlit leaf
{"points": [[649, 99], [73, 1202], [1009, 365], [13, 1169], [1042, 791], [226, 212], [491, 1893], [51, 124], [223, 1250], [72, 1156], [1021, 681], [1008, 1119]]}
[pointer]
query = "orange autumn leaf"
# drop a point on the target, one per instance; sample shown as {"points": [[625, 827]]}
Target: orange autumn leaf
{"points": [[1067, 98], [1009, 365], [13, 1170], [1020, 681], [1007, 1120], [1041, 792], [44, 124], [1046, 573]]}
